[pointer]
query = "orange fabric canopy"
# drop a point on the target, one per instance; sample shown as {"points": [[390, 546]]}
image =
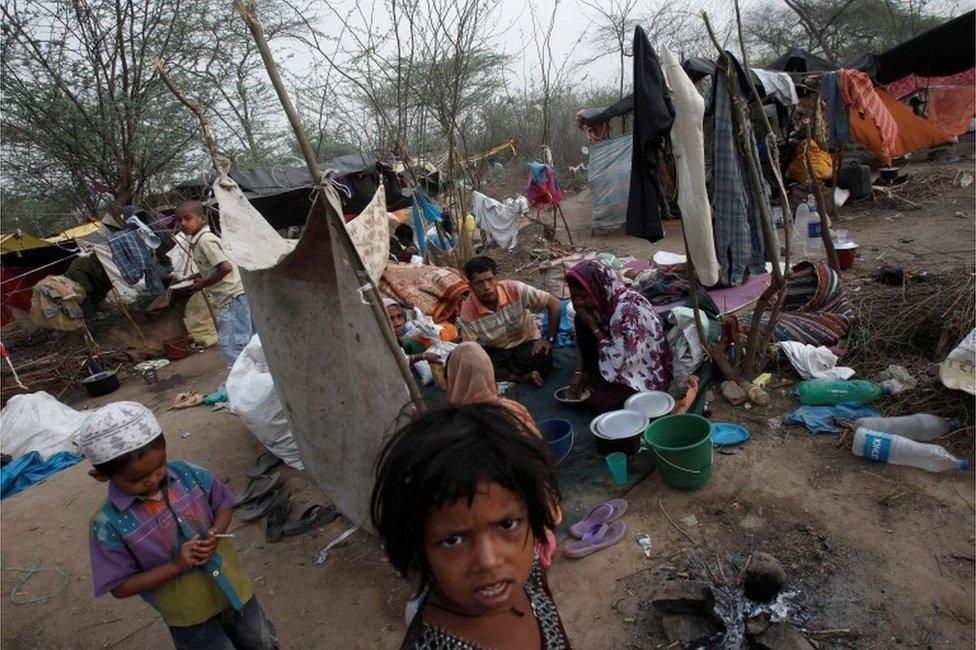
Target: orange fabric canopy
{"points": [[914, 132]]}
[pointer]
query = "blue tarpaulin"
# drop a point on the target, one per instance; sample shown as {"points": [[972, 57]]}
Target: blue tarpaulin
{"points": [[425, 214], [20, 474], [822, 419]]}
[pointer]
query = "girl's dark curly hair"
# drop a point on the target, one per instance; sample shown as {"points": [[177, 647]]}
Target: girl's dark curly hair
{"points": [[440, 458]]}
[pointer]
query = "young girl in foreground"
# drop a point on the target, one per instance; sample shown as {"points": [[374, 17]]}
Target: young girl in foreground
{"points": [[461, 496]]}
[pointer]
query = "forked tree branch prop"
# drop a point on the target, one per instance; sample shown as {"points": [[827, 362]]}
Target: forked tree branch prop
{"points": [[772, 153], [346, 246], [750, 361]]}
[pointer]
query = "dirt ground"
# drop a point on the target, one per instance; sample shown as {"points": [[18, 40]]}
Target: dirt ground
{"points": [[882, 553]]}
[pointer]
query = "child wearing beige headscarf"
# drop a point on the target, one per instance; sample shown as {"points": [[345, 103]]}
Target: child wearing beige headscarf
{"points": [[471, 379]]}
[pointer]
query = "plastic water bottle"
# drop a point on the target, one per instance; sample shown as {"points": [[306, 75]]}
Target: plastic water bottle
{"points": [[818, 392], [898, 450], [799, 239], [920, 426], [814, 242]]}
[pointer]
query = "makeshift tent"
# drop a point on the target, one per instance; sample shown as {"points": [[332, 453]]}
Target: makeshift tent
{"points": [[950, 101], [943, 50], [914, 132], [798, 60], [19, 241], [338, 381], [77, 232], [283, 194]]}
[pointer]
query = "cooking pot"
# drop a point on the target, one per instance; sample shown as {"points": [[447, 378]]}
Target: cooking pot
{"points": [[101, 383], [618, 431]]}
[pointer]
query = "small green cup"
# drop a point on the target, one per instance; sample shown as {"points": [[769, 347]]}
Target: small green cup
{"points": [[617, 462]]}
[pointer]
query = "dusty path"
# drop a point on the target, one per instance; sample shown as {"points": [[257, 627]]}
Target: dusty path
{"points": [[885, 552]]}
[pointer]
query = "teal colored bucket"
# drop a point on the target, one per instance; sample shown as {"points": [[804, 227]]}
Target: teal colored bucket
{"points": [[682, 449]]}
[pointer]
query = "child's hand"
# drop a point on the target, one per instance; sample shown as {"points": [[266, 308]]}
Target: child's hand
{"points": [[205, 548], [187, 559]]}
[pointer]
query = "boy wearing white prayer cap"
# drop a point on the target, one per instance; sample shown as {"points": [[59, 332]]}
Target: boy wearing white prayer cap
{"points": [[155, 535]]}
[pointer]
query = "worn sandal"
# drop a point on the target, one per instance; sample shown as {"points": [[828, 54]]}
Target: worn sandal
{"points": [[258, 487], [277, 516], [260, 506], [597, 538], [264, 462], [314, 517], [602, 513]]}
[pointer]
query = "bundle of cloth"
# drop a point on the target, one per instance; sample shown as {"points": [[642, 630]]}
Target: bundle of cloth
{"points": [[541, 188], [435, 291], [816, 309]]}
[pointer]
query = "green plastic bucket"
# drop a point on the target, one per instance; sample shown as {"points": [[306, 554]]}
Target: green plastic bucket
{"points": [[682, 449]]}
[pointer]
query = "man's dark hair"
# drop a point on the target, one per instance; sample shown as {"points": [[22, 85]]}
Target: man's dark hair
{"points": [[112, 467], [404, 232], [440, 458], [479, 264]]}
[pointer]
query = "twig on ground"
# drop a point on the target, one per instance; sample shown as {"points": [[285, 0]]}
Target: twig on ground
{"points": [[676, 527]]}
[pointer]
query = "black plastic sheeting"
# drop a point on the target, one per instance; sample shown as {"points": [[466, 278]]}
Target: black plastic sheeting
{"points": [[797, 59], [283, 195], [945, 50]]}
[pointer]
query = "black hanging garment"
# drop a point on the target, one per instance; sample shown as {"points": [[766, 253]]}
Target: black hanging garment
{"points": [[653, 116]]}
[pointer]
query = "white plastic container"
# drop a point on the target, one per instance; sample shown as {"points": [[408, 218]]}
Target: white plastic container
{"points": [[898, 450], [920, 426], [798, 240], [814, 241]]}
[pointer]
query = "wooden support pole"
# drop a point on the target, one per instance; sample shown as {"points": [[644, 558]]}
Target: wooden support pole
{"points": [[817, 186]]}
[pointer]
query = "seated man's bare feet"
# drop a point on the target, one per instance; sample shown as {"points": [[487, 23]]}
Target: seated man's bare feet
{"points": [[691, 392]]}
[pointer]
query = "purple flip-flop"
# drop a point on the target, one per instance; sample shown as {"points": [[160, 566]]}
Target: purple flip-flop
{"points": [[602, 513], [600, 536]]}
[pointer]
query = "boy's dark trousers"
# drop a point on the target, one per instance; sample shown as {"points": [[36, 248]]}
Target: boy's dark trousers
{"points": [[248, 629]]}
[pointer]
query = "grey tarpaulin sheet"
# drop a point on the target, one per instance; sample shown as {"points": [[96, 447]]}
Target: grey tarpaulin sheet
{"points": [[609, 178], [333, 371]]}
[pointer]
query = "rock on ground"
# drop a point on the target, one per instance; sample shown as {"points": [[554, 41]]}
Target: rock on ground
{"points": [[684, 596], [781, 636], [733, 392], [687, 629], [764, 577]]}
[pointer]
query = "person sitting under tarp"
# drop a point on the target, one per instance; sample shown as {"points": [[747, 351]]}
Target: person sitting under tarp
{"points": [[414, 346], [402, 245], [88, 272], [621, 342], [498, 315]]}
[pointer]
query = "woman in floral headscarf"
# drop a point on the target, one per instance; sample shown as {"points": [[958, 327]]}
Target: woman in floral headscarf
{"points": [[622, 347]]}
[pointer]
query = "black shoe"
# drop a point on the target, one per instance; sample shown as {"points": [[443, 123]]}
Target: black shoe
{"points": [[277, 516]]}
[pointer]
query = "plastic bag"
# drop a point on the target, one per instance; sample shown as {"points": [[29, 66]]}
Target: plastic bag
{"points": [[253, 398], [958, 371], [38, 422]]}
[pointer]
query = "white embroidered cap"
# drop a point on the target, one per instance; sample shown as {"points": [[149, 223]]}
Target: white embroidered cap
{"points": [[116, 429]]}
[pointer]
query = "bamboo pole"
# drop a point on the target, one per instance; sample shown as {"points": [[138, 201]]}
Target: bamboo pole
{"points": [[346, 246]]}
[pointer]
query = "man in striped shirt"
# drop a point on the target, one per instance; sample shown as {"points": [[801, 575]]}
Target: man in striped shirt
{"points": [[498, 315]]}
